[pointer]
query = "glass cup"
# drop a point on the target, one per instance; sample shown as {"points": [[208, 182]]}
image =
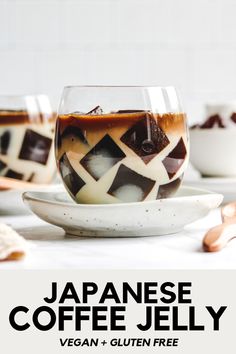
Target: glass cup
{"points": [[121, 144], [26, 138]]}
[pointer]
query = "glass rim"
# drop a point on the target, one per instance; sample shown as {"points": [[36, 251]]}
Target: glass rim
{"points": [[120, 86], [5, 95]]}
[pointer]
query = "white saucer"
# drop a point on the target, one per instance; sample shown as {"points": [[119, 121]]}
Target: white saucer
{"points": [[158, 217]]}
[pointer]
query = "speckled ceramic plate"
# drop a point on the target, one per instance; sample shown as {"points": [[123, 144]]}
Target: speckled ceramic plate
{"points": [[158, 217]]}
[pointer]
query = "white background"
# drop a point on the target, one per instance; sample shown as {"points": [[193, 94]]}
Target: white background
{"points": [[191, 44]]}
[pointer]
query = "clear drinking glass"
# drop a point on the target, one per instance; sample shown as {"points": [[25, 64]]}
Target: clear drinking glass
{"points": [[26, 138], [121, 144]]}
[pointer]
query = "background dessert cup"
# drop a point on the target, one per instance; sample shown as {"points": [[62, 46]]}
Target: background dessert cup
{"points": [[213, 141], [26, 138]]}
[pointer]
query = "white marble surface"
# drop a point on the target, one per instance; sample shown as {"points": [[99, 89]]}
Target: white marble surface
{"points": [[51, 249]]}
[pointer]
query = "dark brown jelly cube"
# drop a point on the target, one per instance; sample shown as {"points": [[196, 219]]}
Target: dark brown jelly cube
{"points": [[73, 132], [5, 142], [71, 179], [103, 156], [35, 147], [14, 174], [146, 139], [95, 111], [2, 165], [165, 190], [175, 159], [125, 177]]}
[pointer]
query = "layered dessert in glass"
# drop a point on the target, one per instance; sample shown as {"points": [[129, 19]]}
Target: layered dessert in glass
{"points": [[26, 138]]}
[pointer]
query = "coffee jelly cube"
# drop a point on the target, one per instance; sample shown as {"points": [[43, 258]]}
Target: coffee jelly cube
{"points": [[5, 142], [95, 111], [74, 132], [103, 156], [31, 177], [146, 139], [131, 111], [71, 179], [2, 165], [165, 190], [14, 174], [35, 147], [175, 159], [130, 186]]}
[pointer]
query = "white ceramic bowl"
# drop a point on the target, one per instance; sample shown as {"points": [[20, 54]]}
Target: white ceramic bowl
{"points": [[213, 151]]}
